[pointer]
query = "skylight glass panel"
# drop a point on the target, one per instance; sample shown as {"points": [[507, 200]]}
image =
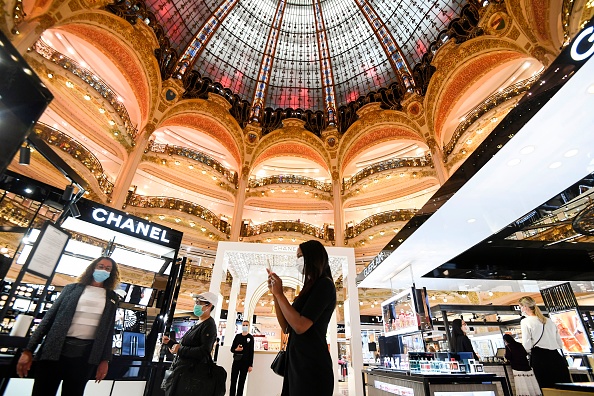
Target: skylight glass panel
{"points": [[295, 79], [181, 19]]}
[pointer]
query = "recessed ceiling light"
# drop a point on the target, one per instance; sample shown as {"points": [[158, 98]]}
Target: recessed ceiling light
{"points": [[591, 89], [513, 162], [469, 141], [471, 220], [111, 122], [69, 84], [101, 110], [87, 97], [555, 165], [50, 75], [527, 150], [571, 153]]}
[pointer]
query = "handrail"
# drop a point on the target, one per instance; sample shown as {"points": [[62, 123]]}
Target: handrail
{"points": [[390, 216], [392, 163], [287, 226], [142, 201], [195, 155], [77, 151], [291, 179], [487, 105], [90, 78]]}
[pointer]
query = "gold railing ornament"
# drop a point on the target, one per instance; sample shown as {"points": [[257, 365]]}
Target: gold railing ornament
{"points": [[393, 163], [191, 208], [390, 216], [282, 226], [93, 81], [291, 179], [77, 151]]}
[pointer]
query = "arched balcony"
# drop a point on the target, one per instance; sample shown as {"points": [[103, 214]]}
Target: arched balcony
{"points": [[287, 226], [390, 216], [77, 151], [295, 180]]}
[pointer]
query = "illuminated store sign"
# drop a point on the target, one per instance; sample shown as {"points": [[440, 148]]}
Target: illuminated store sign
{"points": [[285, 249], [121, 222], [585, 40]]}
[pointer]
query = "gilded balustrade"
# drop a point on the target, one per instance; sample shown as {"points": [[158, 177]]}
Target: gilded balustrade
{"points": [[141, 201], [92, 80], [485, 106], [288, 226], [390, 216], [77, 151], [381, 166], [291, 179], [194, 155]]}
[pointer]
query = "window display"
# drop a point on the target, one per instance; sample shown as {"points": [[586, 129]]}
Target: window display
{"points": [[135, 294], [406, 312]]}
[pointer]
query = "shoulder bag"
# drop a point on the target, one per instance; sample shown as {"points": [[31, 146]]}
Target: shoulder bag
{"points": [[534, 346], [280, 361]]}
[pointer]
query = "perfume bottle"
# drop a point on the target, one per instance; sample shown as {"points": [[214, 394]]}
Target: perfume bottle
{"points": [[134, 346]]}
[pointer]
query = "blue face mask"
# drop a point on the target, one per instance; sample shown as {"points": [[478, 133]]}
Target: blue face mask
{"points": [[198, 310], [100, 275]]}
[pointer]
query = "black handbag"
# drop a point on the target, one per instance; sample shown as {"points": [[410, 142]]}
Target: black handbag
{"points": [[279, 363], [280, 360]]}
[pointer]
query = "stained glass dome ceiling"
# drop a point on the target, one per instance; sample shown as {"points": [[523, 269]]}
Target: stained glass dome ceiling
{"points": [[308, 54]]}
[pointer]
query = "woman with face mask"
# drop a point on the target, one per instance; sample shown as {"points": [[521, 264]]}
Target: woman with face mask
{"points": [[459, 341], [243, 358], [308, 369], [78, 331], [194, 350]]}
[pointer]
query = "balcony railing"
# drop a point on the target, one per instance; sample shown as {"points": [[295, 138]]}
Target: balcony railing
{"points": [[94, 82], [325, 233], [191, 208], [77, 151], [390, 216], [485, 106], [381, 166], [194, 155], [291, 179]]}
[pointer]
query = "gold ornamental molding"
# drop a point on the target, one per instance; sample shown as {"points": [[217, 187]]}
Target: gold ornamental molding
{"points": [[129, 47], [209, 117], [469, 58], [293, 140]]}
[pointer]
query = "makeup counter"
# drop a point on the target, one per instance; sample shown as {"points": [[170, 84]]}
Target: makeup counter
{"points": [[148, 253]]}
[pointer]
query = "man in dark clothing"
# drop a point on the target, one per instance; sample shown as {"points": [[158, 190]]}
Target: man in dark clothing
{"points": [[243, 358]]}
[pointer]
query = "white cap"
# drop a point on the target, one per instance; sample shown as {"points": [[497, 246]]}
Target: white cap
{"points": [[209, 297]]}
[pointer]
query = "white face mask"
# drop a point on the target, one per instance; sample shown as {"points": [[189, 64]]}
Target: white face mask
{"points": [[466, 329], [245, 328], [300, 264]]}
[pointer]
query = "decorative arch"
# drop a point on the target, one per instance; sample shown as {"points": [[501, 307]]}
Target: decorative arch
{"points": [[291, 140], [208, 124], [288, 281], [376, 135], [129, 47], [468, 60]]}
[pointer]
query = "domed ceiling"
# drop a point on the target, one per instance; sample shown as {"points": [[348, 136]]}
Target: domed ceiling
{"points": [[308, 54]]}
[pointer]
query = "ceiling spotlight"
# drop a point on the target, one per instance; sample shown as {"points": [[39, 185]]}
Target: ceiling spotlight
{"points": [[202, 229], [177, 162], [69, 84], [111, 122], [87, 97], [203, 172], [192, 224], [74, 212], [101, 110], [190, 166], [50, 75], [161, 217], [24, 155], [295, 191]]}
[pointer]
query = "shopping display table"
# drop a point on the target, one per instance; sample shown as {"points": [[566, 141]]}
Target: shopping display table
{"points": [[384, 382]]}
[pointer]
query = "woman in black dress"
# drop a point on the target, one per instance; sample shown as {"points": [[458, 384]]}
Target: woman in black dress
{"points": [[459, 340], [309, 366]]}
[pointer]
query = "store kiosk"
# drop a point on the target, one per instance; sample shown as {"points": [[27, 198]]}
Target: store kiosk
{"points": [[144, 247]]}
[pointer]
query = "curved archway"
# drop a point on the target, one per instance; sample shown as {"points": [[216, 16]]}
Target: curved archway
{"points": [[288, 281]]}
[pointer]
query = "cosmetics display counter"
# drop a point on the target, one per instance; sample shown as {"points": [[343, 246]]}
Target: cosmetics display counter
{"points": [[422, 374]]}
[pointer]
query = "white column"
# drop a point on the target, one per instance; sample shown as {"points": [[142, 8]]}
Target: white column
{"points": [[225, 358], [353, 325], [333, 339]]}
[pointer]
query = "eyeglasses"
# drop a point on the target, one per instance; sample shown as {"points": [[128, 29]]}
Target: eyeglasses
{"points": [[201, 302]]}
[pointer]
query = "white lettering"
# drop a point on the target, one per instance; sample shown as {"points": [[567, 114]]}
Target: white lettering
{"points": [[129, 224], [575, 55], [163, 239], [142, 228], [96, 214], [155, 233], [112, 218]]}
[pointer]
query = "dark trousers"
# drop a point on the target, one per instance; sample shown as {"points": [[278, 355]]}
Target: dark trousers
{"points": [[74, 372], [239, 369]]}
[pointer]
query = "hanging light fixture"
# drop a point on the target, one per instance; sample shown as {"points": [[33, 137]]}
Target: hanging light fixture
{"points": [[25, 155]]}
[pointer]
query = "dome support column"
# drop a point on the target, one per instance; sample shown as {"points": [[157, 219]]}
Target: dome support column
{"points": [[238, 209], [338, 215], [128, 170], [438, 163]]}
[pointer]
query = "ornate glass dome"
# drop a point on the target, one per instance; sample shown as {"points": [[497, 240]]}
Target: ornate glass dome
{"points": [[308, 54]]}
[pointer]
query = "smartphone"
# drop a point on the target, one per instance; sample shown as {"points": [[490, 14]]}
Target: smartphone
{"points": [[268, 266]]}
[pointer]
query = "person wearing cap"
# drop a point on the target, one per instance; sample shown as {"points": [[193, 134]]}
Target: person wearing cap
{"points": [[195, 346]]}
